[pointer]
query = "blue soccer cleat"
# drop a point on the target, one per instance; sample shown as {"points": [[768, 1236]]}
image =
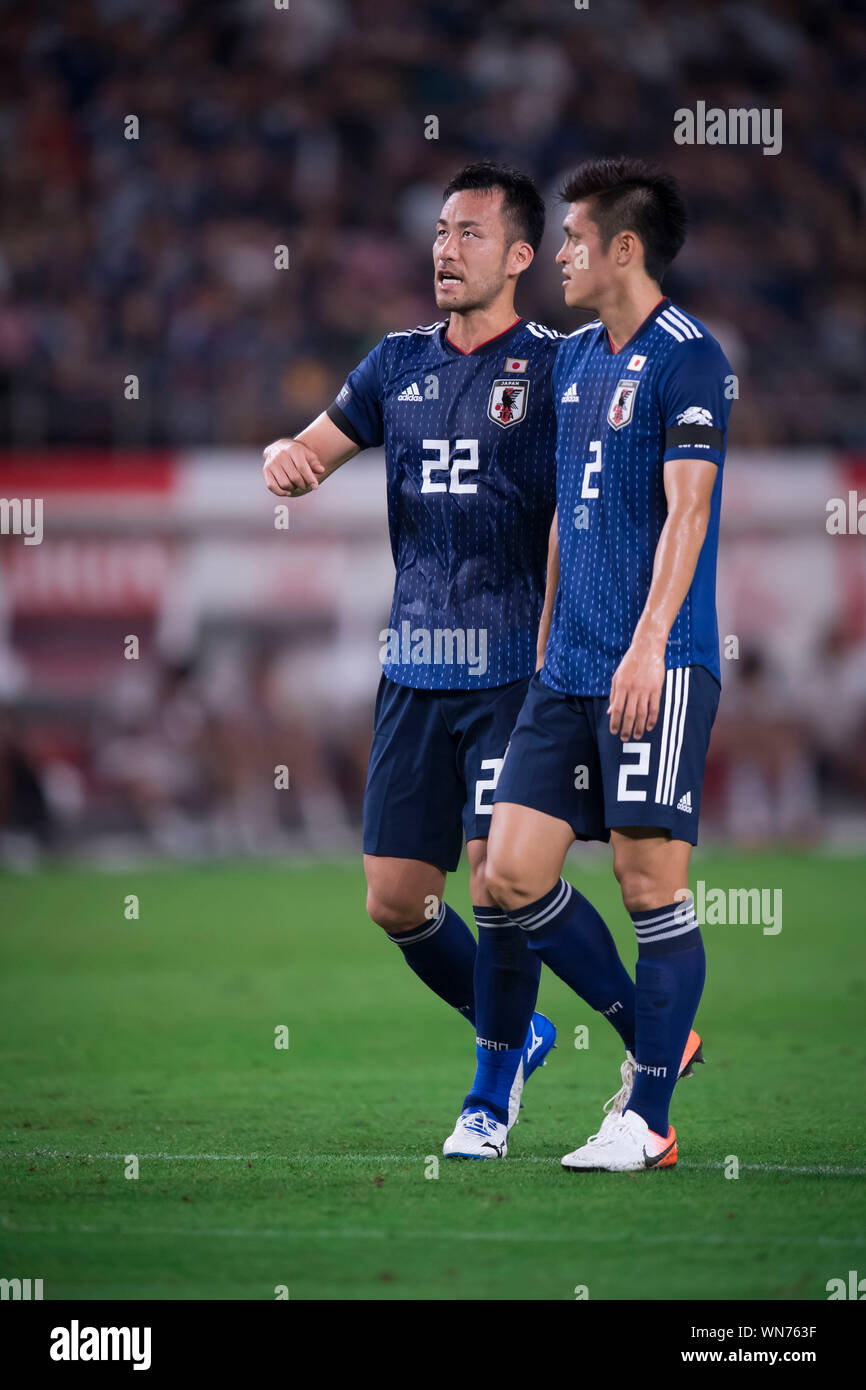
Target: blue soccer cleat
{"points": [[540, 1041]]}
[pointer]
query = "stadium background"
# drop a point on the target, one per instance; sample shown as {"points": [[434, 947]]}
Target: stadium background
{"points": [[258, 646]]}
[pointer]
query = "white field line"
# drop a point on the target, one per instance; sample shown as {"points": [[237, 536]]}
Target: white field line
{"points": [[810, 1170], [628, 1239]]}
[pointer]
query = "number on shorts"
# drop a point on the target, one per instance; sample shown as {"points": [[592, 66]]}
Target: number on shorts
{"points": [[483, 808], [639, 769]]}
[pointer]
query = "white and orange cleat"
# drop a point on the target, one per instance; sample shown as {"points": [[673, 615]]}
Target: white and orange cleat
{"points": [[615, 1107], [624, 1144]]}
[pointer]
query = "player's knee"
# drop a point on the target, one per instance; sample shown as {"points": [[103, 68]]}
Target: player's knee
{"points": [[639, 889], [505, 883], [393, 914]]}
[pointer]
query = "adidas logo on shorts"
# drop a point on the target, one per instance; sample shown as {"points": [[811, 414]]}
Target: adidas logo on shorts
{"points": [[570, 397], [411, 393], [685, 803]]}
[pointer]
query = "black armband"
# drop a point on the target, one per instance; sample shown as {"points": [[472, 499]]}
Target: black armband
{"points": [[336, 416], [694, 436]]}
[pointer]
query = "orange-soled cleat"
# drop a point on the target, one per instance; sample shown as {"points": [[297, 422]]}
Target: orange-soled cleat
{"points": [[659, 1152], [693, 1052]]}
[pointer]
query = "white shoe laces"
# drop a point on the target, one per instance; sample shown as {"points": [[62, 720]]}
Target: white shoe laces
{"points": [[479, 1123], [617, 1103], [613, 1126]]}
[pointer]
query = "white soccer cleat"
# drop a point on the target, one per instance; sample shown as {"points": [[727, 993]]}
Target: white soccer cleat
{"points": [[624, 1144], [477, 1134]]}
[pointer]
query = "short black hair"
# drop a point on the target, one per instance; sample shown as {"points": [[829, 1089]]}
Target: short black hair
{"points": [[636, 196], [522, 203]]}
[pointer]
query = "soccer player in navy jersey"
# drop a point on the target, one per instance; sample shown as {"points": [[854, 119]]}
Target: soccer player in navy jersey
{"points": [[611, 742], [464, 410]]}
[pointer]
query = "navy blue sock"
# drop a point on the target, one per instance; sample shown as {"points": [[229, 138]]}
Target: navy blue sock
{"points": [[442, 954], [506, 988], [570, 936], [506, 979], [670, 979]]}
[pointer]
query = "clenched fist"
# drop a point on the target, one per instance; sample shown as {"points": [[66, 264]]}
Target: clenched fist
{"points": [[291, 468]]}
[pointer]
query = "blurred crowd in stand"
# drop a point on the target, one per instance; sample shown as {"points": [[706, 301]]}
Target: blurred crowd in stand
{"points": [[304, 127], [153, 156]]}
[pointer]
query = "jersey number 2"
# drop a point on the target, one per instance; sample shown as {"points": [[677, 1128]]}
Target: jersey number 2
{"points": [[592, 467]]}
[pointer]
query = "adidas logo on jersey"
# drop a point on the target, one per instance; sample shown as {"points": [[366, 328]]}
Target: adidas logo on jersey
{"points": [[570, 396], [411, 393], [685, 803]]}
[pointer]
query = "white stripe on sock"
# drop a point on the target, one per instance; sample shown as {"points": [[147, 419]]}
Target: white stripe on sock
{"points": [[539, 919]]}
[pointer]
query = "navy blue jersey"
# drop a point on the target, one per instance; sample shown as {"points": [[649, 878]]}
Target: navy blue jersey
{"points": [[621, 416], [469, 443]]}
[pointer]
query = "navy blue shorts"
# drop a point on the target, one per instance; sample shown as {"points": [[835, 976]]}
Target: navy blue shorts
{"points": [[563, 759], [434, 763]]}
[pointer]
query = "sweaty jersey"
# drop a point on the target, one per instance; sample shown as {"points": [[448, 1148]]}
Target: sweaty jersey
{"points": [[469, 443], [621, 416]]}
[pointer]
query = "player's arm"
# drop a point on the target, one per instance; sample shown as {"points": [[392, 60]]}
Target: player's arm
{"points": [[294, 467], [549, 593], [353, 422], [635, 692]]}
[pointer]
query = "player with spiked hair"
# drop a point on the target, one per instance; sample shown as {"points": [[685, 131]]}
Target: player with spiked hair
{"points": [[612, 740]]}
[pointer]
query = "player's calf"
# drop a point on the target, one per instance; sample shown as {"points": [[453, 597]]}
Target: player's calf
{"points": [[436, 943]]}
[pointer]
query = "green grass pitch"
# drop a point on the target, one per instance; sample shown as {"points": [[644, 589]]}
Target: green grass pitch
{"points": [[306, 1167]]}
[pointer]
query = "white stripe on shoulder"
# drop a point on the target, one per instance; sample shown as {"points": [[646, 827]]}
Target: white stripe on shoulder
{"points": [[596, 323], [674, 332], [427, 328], [688, 325], [684, 328], [542, 331]]}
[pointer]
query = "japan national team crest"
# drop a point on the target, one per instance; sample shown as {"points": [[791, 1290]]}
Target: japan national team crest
{"points": [[622, 406], [507, 404]]}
